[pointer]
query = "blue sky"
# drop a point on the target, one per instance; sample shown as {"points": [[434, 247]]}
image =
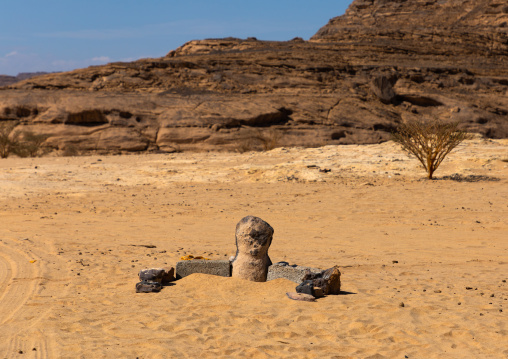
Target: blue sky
{"points": [[61, 35]]}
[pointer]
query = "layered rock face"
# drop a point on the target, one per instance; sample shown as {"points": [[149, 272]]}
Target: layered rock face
{"points": [[381, 63]]}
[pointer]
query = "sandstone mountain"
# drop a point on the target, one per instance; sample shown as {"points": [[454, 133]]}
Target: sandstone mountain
{"points": [[383, 62]]}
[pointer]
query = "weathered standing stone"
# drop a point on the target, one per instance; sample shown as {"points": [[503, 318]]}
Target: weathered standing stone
{"points": [[253, 238]]}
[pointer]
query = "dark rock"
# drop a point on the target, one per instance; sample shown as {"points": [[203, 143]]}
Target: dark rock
{"points": [[332, 278], [168, 276], [152, 275], [328, 280], [253, 238], [148, 287], [318, 292], [281, 264], [306, 287]]}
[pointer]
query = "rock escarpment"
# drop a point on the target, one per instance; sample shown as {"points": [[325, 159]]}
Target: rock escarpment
{"points": [[363, 73]]}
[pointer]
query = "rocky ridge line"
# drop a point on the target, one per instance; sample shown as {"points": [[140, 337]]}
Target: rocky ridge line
{"points": [[358, 77]]}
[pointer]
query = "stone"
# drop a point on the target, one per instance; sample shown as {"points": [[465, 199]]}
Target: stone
{"points": [[328, 280], [301, 297], [169, 275], [148, 287], [306, 287], [318, 292], [159, 275], [293, 272], [220, 268], [332, 277], [253, 238], [152, 275]]}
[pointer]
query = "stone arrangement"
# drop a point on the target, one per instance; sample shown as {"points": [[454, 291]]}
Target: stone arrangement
{"points": [[251, 262]]}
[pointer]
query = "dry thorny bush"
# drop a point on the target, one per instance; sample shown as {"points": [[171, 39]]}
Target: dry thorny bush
{"points": [[22, 144], [430, 142]]}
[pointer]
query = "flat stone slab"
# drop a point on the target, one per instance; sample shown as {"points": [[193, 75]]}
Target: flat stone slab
{"points": [[301, 297], [293, 272], [220, 268]]}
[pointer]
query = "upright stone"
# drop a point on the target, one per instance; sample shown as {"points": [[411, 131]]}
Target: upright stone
{"points": [[253, 238]]}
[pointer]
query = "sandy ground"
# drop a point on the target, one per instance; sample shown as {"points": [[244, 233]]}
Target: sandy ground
{"points": [[75, 232]]}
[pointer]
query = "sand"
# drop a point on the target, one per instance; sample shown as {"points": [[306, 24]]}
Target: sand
{"points": [[75, 231]]}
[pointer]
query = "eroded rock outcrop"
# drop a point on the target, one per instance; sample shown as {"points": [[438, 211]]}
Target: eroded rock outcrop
{"points": [[364, 72]]}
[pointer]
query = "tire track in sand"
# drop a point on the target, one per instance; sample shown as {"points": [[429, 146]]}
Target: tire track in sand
{"points": [[21, 276]]}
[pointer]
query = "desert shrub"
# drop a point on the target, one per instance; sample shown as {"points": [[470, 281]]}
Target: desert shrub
{"points": [[7, 142], [31, 145], [70, 151], [245, 145], [269, 139], [430, 142]]}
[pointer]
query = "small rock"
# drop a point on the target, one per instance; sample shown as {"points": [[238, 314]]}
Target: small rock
{"points": [[437, 291], [148, 287], [152, 275], [301, 296], [306, 287], [318, 292], [328, 280], [281, 264], [169, 275], [402, 305]]}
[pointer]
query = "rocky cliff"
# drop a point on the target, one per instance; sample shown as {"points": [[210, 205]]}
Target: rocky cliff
{"points": [[379, 64], [6, 80]]}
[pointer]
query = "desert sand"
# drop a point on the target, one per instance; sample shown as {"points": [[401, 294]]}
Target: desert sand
{"points": [[75, 231]]}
